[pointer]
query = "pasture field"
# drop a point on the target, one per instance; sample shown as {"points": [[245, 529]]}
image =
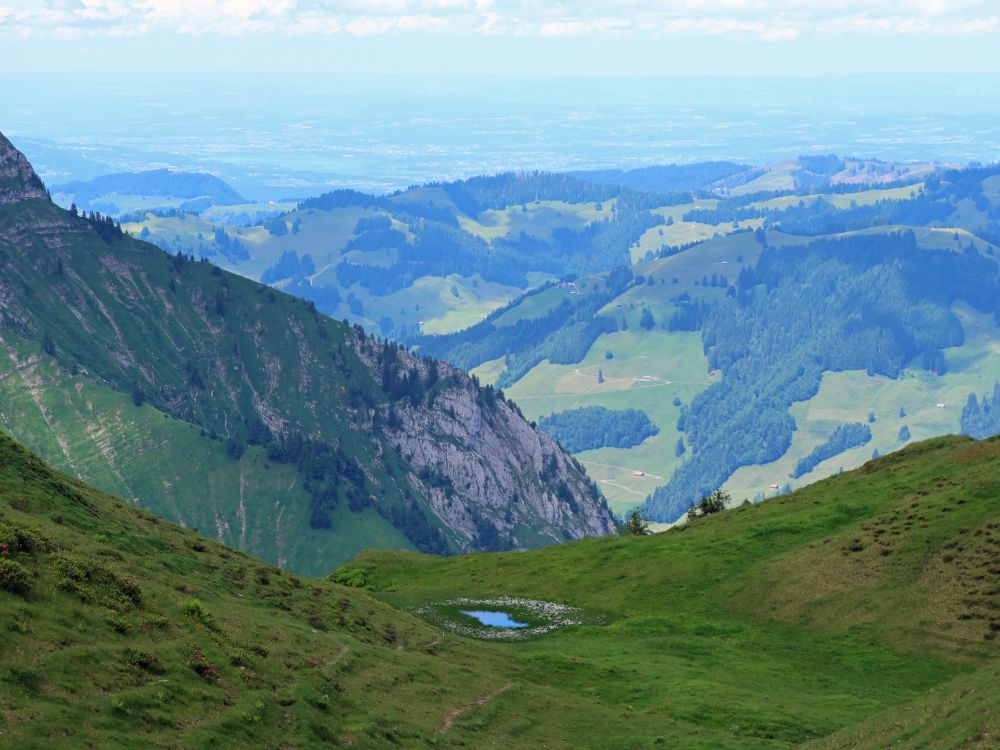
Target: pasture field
{"points": [[838, 612], [539, 218], [648, 370], [851, 396]]}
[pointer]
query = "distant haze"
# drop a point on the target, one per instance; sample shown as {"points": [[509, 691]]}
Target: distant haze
{"points": [[276, 136]]}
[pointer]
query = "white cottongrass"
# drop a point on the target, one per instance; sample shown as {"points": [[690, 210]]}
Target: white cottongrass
{"points": [[555, 615]]}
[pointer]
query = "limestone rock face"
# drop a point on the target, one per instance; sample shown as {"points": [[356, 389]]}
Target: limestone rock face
{"points": [[18, 181], [483, 467], [431, 442]]}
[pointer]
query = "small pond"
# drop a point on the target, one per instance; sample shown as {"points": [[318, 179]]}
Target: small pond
{"points": [[494, 619], [503, 618]]}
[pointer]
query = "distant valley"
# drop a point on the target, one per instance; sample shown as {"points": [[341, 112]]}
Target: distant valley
{"points": [[612, 289], [248, 414]]}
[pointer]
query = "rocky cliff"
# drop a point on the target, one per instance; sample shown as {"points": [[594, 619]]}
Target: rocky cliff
{"points": [[18, 181], [448, 463], [487, 473]]}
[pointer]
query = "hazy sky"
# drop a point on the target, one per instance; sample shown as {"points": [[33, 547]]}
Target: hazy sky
{"points": [[585, 37]]}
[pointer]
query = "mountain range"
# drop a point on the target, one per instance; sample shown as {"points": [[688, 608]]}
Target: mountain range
{"points": [[621, 291], [213, 513], [242, 411]]}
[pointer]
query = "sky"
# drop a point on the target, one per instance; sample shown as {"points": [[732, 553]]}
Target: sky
{"points": [[501, 37]]}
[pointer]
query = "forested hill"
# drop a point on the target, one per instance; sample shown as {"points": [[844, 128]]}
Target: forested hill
{"points": [[155, 182], [616, 289], [874, 304], [787, 315], [365, 440], [674, 178]]}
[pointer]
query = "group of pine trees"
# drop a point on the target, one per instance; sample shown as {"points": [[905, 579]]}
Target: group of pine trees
{"points": [[981, 418], [843, 438], [593, 427]]}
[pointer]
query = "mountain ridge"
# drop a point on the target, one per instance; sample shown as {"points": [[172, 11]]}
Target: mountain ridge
{"points": [[254, 367], [154, 182], [18, 181]]}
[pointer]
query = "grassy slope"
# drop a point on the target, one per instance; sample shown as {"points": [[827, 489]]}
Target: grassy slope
{"points": [[299, 662], [538, 218], [172, 469], [866, 604], [763, 627], [851, 396]]}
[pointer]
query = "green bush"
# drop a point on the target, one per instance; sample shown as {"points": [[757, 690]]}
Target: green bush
{"points": [[140, 659], [195, 610], [94, 583], [20, 539], [14, 577], [355, 578]]}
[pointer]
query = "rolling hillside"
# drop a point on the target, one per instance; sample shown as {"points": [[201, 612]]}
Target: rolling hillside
{"points": [[662, 338], [519, 278], [860, 612], [156, 188], [125, 631], [232, 407]]}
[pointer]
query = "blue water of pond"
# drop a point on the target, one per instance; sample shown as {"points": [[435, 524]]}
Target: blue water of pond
{"points": [[495, 619]]}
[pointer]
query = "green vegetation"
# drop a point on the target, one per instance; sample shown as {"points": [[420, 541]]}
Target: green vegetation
{"points": [[858, 607], [861, 610], [712, 503], [845, 437], [982, 419], [596, 427], [636, 525]]}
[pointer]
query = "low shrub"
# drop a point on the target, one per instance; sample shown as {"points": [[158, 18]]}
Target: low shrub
{"points": [[195, 610], [17, 539], [353, 577], [138, 658], [14, 577], [202, 666], [94, 583]]}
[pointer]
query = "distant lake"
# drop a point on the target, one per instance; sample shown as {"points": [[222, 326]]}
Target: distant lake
{"points": [[494, 619], [298, 135]]}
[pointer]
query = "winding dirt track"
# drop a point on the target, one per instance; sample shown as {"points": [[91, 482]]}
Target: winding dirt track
{"points": [[456, 712]]}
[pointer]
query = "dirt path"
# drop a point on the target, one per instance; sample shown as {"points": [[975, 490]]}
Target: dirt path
{"points": [[338, 657], [645, 474], [623, 488], [456, 712]]}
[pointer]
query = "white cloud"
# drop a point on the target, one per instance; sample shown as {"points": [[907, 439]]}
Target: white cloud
{"points": [[580, 27], [784, 34], [766, 20]]}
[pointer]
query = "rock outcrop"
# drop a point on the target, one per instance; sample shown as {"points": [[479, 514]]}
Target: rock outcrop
{"points": [[18, 181], [483, 468], [367, 425]]}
